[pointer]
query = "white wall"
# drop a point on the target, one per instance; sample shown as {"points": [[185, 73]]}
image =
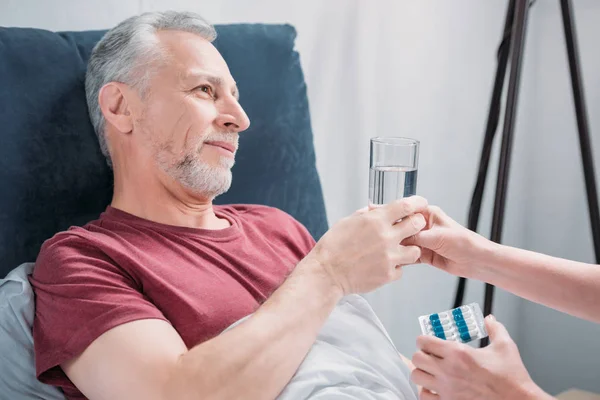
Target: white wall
{"points": [[560, 351], [420, 69]]}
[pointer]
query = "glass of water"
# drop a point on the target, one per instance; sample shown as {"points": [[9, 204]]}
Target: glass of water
{"points": [[393, 169]]}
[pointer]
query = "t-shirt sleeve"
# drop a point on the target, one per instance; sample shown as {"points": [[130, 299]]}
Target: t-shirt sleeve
{"points": [[80, 294], [296, 232], [304, 236]]}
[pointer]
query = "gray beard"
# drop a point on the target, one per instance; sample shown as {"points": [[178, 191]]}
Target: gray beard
{"points": [[201, 178]]}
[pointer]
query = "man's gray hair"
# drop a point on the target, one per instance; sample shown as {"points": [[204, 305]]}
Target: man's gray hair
{"points": [[127, 54]]}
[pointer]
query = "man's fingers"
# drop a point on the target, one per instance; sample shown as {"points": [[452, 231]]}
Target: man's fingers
{"points": [[408, 255], [426, 362], [427, 257], [397, 273], [409, 226], [428, 395], [434, 346], [424, 379], [409, 241], [402, 208]]}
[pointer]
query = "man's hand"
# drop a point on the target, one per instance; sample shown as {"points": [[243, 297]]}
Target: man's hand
{"points": [[447, 245], [454, 371], [363, 251]]}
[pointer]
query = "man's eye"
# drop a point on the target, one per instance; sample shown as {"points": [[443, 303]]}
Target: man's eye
{"points": [[206, 89]]}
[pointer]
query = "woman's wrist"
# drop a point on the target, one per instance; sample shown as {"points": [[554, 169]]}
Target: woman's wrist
{"points": [[487, 256]]}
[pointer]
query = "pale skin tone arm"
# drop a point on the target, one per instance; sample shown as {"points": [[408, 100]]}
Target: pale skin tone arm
{"points": [[255, 360], [568, 286], [148, 359]]}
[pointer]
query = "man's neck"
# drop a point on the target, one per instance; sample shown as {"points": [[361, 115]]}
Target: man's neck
{"points": [[153, 201]]}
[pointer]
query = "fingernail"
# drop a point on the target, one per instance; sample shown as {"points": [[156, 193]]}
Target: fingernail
{"points": [[491, 318]]}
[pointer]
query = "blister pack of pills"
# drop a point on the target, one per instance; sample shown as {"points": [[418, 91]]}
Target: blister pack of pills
{"points": [[463, 324]]}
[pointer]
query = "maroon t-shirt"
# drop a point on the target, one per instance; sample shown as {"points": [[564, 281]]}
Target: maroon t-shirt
{"points": [[122, 268]]}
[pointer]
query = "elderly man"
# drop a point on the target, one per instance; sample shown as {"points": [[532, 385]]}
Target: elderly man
{"points": [[134, 305]]}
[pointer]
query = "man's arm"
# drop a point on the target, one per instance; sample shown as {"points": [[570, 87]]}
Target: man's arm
{"points": [[148, 359], [255, 360]]}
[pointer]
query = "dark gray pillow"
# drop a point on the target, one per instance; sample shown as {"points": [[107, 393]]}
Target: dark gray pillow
{"points": [[17, 367]]}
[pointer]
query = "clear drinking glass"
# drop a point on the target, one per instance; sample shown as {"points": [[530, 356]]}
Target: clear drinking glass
{"points": [[393, 169]]}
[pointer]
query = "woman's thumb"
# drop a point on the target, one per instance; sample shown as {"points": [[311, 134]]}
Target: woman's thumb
{"points": [[496, 330], [428, 239]]}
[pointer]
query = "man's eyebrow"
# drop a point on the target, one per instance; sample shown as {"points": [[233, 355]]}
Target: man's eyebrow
{"points": [[214, 80]]}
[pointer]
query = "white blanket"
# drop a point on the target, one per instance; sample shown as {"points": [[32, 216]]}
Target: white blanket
{"points": [[352, 358]]}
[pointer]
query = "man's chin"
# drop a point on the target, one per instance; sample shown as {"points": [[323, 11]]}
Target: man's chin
{"points": [[215, 184], [203, 178], [222, 164], [226, 162]]}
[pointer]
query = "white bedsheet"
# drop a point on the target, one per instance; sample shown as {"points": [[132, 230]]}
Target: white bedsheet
{"points": [[352, 358]]}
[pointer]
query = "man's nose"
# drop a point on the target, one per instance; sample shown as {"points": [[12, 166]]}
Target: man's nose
{"points": [[233, 118]]}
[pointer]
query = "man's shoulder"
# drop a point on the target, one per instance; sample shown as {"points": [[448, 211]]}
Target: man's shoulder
{"points": [[71, 246], [75, 236]]}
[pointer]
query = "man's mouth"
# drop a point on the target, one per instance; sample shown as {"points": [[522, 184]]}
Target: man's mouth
{"points": [[223, 145]]}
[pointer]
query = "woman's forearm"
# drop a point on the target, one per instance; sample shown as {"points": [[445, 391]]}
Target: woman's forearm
{"points": [[568, 286]]}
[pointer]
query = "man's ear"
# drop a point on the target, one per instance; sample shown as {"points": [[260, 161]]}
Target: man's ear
{"points": [[113, 103]]}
